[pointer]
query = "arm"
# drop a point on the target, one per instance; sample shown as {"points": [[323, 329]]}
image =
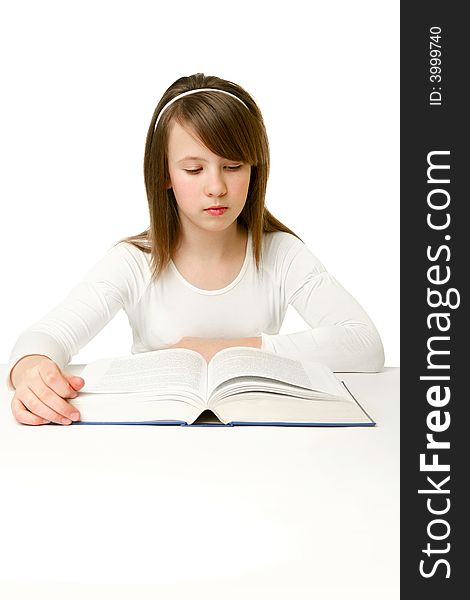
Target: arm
{"points": [[113, 283], [341, 334]]}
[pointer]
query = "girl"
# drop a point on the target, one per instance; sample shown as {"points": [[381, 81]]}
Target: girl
{"points": [[214, 269]]}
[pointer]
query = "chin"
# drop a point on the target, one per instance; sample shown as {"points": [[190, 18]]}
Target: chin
{"points": [[220, 223]]}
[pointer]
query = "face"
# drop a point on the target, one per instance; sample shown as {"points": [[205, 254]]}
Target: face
{"points": [[200, 179]]}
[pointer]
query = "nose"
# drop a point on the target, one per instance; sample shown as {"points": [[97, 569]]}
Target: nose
{"points": [[215, 185]]}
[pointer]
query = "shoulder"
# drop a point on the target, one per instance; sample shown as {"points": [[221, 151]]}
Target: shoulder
{"points": [[122, 262], [128, 251], [283, 251], [277, 244]]}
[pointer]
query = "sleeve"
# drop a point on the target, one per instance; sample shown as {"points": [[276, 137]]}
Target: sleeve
{"points": [[113, 283], [341, 334]]}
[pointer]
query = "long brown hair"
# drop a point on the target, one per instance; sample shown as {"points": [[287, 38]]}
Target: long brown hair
{"points": [[226, 128]]}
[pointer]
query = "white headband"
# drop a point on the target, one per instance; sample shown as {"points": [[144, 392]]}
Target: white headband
{"points": [[193, 92]]}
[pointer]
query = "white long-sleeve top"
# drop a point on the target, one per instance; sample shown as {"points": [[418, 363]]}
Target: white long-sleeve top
{"points": [[161, 312]]}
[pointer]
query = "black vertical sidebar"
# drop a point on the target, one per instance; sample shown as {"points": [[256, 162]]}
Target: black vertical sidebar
{"points": [[435, 259]]}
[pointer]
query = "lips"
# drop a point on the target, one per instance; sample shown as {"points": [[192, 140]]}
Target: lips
{"points": [[215, 207], [216, 211]]}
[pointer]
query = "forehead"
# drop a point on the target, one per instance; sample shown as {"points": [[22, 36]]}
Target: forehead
{"points": [[183, 141]]}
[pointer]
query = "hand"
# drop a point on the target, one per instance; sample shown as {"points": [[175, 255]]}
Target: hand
{"points": [[207, 347], [40, 395]]}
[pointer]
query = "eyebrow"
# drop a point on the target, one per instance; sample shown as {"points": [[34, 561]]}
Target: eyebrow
{"points": [[200, 159], [192, 158]]}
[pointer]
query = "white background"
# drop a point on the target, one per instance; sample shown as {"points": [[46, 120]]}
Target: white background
{"points": [[81, 80]]}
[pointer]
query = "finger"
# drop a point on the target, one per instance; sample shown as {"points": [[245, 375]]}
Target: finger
{"points": [[23, 415], [41, 386], [75, 382], [35, 405], [53, 378], [42, 401]]}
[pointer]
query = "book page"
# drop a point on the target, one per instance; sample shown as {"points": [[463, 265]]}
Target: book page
{"points": [[279, 409], [135, 408], [252, 362], [167, 369]]}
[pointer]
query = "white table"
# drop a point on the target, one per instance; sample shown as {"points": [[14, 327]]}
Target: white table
{"points": [[176, 512]]}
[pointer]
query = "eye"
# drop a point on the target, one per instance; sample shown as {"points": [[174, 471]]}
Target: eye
{"points": [[229, 168]]}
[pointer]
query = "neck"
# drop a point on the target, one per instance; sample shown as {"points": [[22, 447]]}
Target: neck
{"points": [[213, 245]]}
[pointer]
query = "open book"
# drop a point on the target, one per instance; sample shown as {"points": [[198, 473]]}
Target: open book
{"points": [[239, 386]]}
